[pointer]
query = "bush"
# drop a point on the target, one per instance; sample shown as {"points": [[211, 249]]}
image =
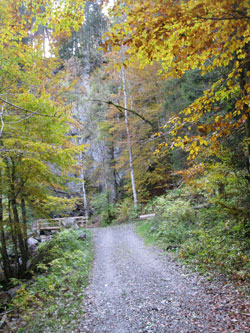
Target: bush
{"points": [[103, 207], [174, 219], [126, 211], [59, 246], [210, 237], [53, 301], [219, 248]]}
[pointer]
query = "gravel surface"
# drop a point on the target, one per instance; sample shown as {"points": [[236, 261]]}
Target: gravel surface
{"points": [[136, 288]]}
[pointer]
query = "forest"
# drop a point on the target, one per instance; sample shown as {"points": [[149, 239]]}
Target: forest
{"points": [[113, 110]]}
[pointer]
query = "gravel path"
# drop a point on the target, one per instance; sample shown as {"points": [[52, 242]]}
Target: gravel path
{"points": [[139, 289]]}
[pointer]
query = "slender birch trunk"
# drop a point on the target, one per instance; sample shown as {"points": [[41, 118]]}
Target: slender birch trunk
{"points": [[85, 202], [128, 138]]}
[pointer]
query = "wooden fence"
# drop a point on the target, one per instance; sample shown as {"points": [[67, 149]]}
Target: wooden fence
{"points": [[59, 223]]}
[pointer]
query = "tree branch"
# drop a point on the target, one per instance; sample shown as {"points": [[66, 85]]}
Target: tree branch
{"points": [[121, 109], [2, 122], [26, 110], [20, 120], [224, 18]]}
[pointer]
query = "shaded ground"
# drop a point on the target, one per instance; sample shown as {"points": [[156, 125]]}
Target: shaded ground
{"points": [[138, 289]]}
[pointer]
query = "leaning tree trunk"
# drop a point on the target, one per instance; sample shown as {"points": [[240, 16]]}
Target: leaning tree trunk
{"points": [[128, 138]]}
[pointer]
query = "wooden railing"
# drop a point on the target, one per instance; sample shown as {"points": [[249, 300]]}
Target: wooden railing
{"points": [[147, 216], [58, 223]]}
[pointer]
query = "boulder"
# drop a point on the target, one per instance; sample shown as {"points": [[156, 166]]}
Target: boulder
{"points": [[32, 244], [69, 223], [82, 236], [44, 238], [13, 291], [32, 241], [4, 298]]}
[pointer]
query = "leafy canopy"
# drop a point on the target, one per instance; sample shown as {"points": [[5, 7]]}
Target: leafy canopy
{"points": [[185, 35]]}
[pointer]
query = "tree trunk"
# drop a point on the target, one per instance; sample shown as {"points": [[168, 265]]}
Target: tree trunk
{"points": [[20, 236], [244, 80], [24, 221], [85, 202], [17, 230], [111, 166], [128, 138], [5, 258], [14, 241]]}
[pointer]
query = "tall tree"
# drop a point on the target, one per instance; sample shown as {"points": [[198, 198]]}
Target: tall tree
{"points": [[131, 166], [35, 151], [169, 32]]}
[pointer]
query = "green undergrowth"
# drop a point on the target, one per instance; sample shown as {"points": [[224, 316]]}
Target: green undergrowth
{"points": [[202, 233], [108, 213], [52, 302]]}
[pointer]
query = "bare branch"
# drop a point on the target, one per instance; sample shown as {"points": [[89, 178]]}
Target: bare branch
{"points": [[121, 109], [26, 110], [18, 121], [224, 18], [2, 123]]}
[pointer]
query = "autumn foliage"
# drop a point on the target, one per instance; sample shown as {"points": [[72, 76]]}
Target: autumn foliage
{"points": [[34, 119], [182, 36]]}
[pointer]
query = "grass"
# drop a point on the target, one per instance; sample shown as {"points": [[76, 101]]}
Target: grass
{"points": [[53, 301], [143, 229]]}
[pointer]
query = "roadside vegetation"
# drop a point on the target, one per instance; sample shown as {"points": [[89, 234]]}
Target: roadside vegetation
{"points": [[201, 230], [107, 213], [52, 300]]}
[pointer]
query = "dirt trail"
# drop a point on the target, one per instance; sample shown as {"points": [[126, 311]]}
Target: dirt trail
{"points": [[138, 289]]}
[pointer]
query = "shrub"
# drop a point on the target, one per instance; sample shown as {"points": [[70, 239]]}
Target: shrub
{"points": [[174, 219], [103, 207], [126, 211], [215, 237], [53, 301]]}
